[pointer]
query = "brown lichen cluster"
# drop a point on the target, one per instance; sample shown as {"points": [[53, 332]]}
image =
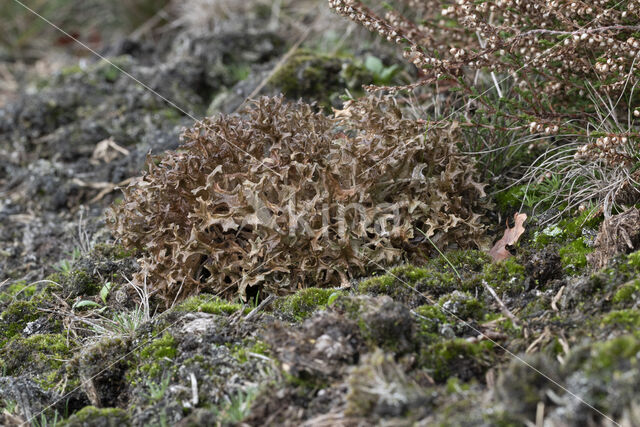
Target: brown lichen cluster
{"points": [[283, 197]]}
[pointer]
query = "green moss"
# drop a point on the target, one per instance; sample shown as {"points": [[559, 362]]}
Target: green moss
{"points": [[383, 322], [206, 303], [462, 305], [19, 290], [90, 415], [608, 356], [574, 255], [430, 318], [241, 352], [155, 354], [457, 357], [633, 260], [309, 75], [112, 251], [383, 285], [463, 261], [505, 276], [305, 302], [428, 323], [76, 282], [627, 319], [42, 355], [567, 230], [627, 292], [15, 317]]}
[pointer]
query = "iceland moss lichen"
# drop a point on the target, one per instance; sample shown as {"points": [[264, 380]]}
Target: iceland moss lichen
{"points": [[233, 222]]}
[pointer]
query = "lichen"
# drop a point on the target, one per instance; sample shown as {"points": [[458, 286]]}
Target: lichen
{"points": [[229, 213]]}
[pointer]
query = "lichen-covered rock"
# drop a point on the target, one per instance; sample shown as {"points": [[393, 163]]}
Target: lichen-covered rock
{"points": [[284, 197]]}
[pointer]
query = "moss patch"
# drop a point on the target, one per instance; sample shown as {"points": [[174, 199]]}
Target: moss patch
{"points": [[305, 302], [457, 357], [156, 354], [309, 75], [574, 255], [627, 319], [627, 293], [92, 416], [206, 303], [506, 277], [41, 354], [462, 305]]}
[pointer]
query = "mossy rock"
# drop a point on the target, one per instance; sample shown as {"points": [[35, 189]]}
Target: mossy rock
{"points": [[462, 305], [309, 75], [522, 388], [112, 251], [430, 319], [90, 416], [101, 367], [457, 357], [506, 277], [16, 292], [76, 282], [455, 271], [305, 302], [383, 322], [15, 318], [628, 319], [41, 355], [206, 303]]}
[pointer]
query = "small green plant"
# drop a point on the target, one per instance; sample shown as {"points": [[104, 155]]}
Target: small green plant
{"points": [[238, 406], [157, 390], [382, 75], [89, 304]]}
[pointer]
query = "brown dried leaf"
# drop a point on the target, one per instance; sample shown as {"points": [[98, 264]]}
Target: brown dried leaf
{"points": [[510, 237]]}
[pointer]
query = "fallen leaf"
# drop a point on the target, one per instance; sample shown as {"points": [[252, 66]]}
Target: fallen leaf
{"points": [[510, 237]]}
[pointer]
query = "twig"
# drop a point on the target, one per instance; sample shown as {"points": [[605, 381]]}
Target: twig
{"points": [[503, 307], [260, 306], [582, 31], [537, 340], [556, 298]]}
